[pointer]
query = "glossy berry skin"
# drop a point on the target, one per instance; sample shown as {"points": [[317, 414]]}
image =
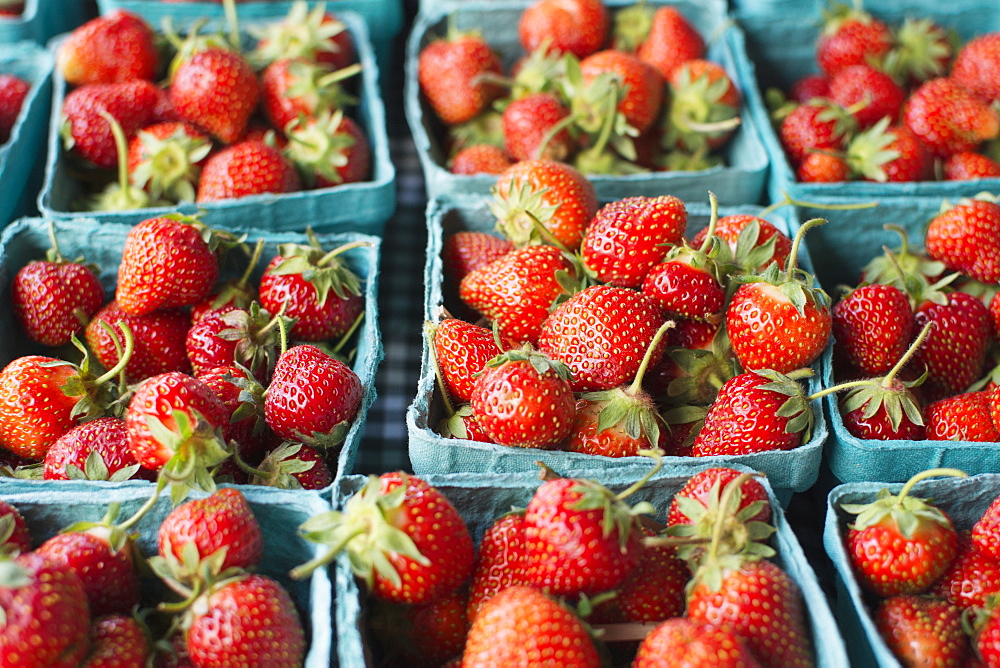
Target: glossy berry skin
{"points": [[480, 159], [914, 162], [971, 578], [729, 228], [246, 621], [131, 103], [961, 417], [159, 341], [466, 250], [116, 641], [432, 633], [922, 631], [450, 72], [642, 85], [985, 533], [34, 410], [954, 351], [967, 239], [249, 167], [109, 578], [823, 168], [579, 27], [683, 291], [54, 300], [872, 327], [969, 165], [500, 561], [671, 40], [948, 119], [682, 643], [878, 426], [528, 125], [811, 127], [976, 66], [462, 350], [654, 589], [106, 436], [47, 618], [699, 486], [217, 90], [19, 538], [521, 626], [118, 46], [864, 84], [856, 41], [221, 520]]}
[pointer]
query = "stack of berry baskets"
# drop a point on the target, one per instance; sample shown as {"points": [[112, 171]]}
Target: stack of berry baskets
{"points": [[955, 574], [168, 344], [342, 178], [481, 499], [384, 18], [443, 436], [731, 162], [870, 162], [26, 73]]}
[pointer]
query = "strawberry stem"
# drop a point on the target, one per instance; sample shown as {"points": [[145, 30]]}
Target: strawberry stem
{"points": [[349, 333], [121, 146], [657, 457], [910, 352], [233, 22], [123, 357], [545, 233], [303, 571], [734, 487], [551, 133], [713, 221], [138, 515], [647, 359], [788, 201], [430, 329], [793, 256], [258, 249], [55, 254], [342, 249], [923, 475]]}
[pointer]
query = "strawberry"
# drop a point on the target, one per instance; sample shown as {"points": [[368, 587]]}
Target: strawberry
{"points": [[954, 353], [818, 125], [237, 292], [480, 159], [970, 165], [975, 66], [500, 561], [117, 46], [294, 88], [985, 533], [309, 34], [53, 299], [986, 637], [753, 242], [670, 41], [684, 290], [293, 466], [883, 409], [524, 399], [313, 398], [248, 616], [14, 536], [461, 352], [682, 642], [13, 91], [117, 641], [579, 27], [158, 341], [966, 238], [517, 290], [94, 450], [870, 93], [900, 544], [808, 87], [629, 236], [422, 636], [88, 135], [555, 194], [314, 286], [34, 408], [535, 127], [961, 417], [166, 159], [454, 75], [704, 107], [883, 153], [641, 84], [217, 90], [250, 338], [521, 625], [948, 119], [329, 149], [971, 579], [872, 327], [922, 630], [467, 250], [821, 167], [46, 612], [167, 262], [653, 590], [221, 521], [695, 507], [851, 36], [249, 167], [11, 7], [399, 556]]}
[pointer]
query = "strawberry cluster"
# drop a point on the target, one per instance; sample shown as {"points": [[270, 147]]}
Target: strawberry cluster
{"points": [[577, 559], [88, 596], [201, 378], [893, 103], [226, 124], [933, 586], [610, 94], [612, 333], [915, 341]]}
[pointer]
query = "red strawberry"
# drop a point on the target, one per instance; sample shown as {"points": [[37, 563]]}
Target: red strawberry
{"points": [[900, 544], [480, 159], [954, 353], [821, 167], [986, 637], [579, 27], [166, 159], [986, 531], [629, 236], [500, 561], [948, 119], [461, 352], [294, 88], [884, 409], [249, 167], [250, 338], [818, 125], [966, 238], [653, 590], [922, 630], [808, 87], [975, 66], [158, 341], [34, 409], [46, 612], [217, 90], [329, 149], [642, 90], [313, 398], [870, 93], [309, 34], [116, 641], [695, 506], [13, 91], [223, 520], [521, 623], [293, 466], [762, 243], [872, 327], [467, 250], [971, 579], [53, 299], [248, 617], [851, 36], [95, 450], [882, 153], [524, 399], [686, 643], [14, 534], [671, 40], [453, 73], [114, 47], [106, 569], [961, 417], [704, 107], [970, 165], [88, 135], [535, 127], [684, 290]]}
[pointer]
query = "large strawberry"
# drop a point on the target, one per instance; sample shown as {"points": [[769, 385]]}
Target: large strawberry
{"points": [[158, 340], [329, 149], [872, 327], [87, 134], [579, 27], [115, 47], [690, 643], [962, 417], [95, 450], [948, 119], [461, 352], [248, 167], [870, 94], [851, 36], [294, 88], [216, 89], [921, 630], [535, 127], [641, 84], [972, 578], [454, 75], [966, 237]]}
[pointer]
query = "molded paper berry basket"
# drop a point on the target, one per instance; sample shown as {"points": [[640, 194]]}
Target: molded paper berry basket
{"points": [[854, 459], [383, 17], [741, 181], [781, 37], [101, 242], [964, 500], [482, 497], [20, 155], [51, 506], [788, 470], [353, 207]]}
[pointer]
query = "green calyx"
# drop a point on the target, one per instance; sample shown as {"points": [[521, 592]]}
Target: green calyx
{"points": [[303, 33], [907, 513], [631, 26], [921, 51], [319, 146], [696, 114], [257, 334], [280, 467], [326, 270], [518, 209], [868, 151], [541, 363], [169, 169], [198, 447], [796, 408]]}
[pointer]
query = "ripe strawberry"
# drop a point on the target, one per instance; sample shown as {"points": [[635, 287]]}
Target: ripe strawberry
{"points": [[293, 88], [652, 591], [500, 561], [971, 579], [871, 94], [53, 299], [695, 507], [986, 637], [948, 119], [249, 167], [46, 612], [166, 159], [401, 557], [922, 630], [954, 353], [808, 87], [106, 567], [872, 327], [884, 409], [88, 135], [329, 149], [34, 409], [629, 236], [900, 544], [314, 286], [985, 533], [819, 125], [116, 641], [461, 352], [684, 289], [682, 642], [704, 107], [14, 536], [601, 334], [975, 66], [453, 73], [641, 84], [467, 250], [579, 27], [524, 399], [480, 159], [115, 47], [217, 90], [819, 167], [517, 290], [13, 91], [883, 153], [961, 417], [250, 338], [422, 636], [95, 450], [521, 625], [252, 616], [966, 238], [167, 262], [223, 520], [293, 466], [535, 127], [313, 398], [851, 36], [969, 165], [556, 194], [754, 243], [308, 34], [670, 41], [158, 341]]}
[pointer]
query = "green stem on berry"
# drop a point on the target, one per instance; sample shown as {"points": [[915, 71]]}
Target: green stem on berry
{"points": [[734, 487], [258, 250], [793, 256], [910, 352], [657, 457], [923, 475], [300, 572], [788, 201], [647, 359], [145, 508], [609, 121], [689, 123], [713, 221], [55, 254], [121, 146], [123, 356], [283, 329], [233, 23], [552, 132], [544, 232], [349, 333], [339, 75], [342, 249], [246, 467], [430, 329]]}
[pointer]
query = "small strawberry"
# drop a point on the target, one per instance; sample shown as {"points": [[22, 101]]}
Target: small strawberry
{"points": [[689, 643], [579, 27], [480, 159], [293, 466], [117, 641], [249, 338], [158, 341], [966, 237], [500, 561], [754, 243], [166, 159], [822, 167], [954, 353], [652, 591], [329, 149], [216, 89], [888, 154], [695, 507], [642, 85], [704, 107], [95, 450], [87, 134], [535, 127], [114, 47], [961, 417], [249, 167], [922, 631], [975, 66], [808, 87], [670, 41], [454, 75], [851, 36], [819, 125], [13, 91], [294, 88], [948, 119]]}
